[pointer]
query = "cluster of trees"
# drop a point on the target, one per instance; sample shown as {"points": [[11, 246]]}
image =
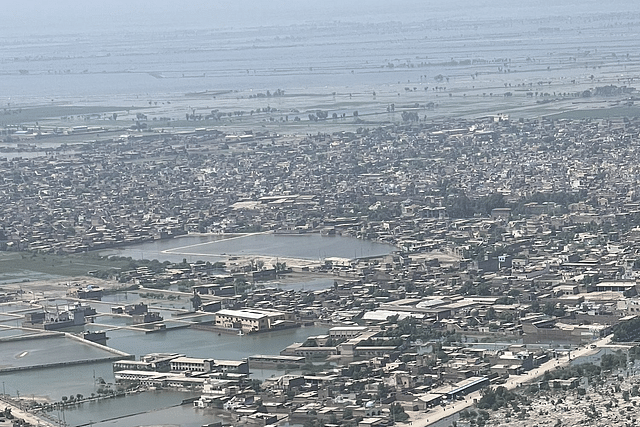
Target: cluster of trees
{"points": [[384, 213], [268, 94], [71, 399], [308, 299], [628, 331], [241, 286], [154, 266], [413, 328], [500, 397], [551, 309], [397, 413], [323, 115], [461, 206], [357, 371], [156, 283], [280, 266], [588, 370], [471, 288], [560, 198], [634, 353], [410, 116], [319, 115], [479, 418], [610, 362]]}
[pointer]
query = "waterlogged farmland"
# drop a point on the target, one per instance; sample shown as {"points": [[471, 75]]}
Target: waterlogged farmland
{"points": [[279, 76]]}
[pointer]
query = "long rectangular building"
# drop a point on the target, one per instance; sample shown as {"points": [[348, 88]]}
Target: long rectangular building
{"points": [[249, 320], [192, 364]]}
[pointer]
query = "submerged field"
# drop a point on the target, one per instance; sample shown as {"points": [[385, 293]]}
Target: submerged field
{"points": [[31, 266], [281, 78]]}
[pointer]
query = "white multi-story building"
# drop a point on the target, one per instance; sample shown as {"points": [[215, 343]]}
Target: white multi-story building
{"points": [[249, 320]]}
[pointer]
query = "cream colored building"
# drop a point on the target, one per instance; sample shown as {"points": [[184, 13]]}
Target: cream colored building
{"points": [[249, 320]]}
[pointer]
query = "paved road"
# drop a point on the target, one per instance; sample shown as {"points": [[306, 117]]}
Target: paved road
{"points": [[19, 413], [423, 419]]}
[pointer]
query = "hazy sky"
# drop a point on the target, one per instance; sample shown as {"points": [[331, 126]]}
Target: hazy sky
{"points": [[26, 17]]}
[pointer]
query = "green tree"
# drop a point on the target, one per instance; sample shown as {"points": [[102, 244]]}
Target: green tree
{"points": [[347, 414], [397, 413], [627, 331]]}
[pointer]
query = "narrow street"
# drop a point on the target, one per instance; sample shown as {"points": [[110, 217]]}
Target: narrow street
{"points": [[423, 419]]}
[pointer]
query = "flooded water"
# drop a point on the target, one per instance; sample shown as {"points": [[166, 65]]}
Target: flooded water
{"points": [[198, 343], [183, 416], [39, 351], [213, 248], [134, 54], [302, 47], [16, 276], [151, 407], [54, 383]]}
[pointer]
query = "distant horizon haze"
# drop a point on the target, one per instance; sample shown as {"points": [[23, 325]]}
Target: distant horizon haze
{"points": [[37, 17]]}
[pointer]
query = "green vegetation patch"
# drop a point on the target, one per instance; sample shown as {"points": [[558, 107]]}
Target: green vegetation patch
{"points": [[500, 397], [628, 331], [22, 266]]}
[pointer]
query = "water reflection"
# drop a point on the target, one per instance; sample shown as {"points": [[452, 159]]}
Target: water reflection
{"points": [[218, 247]]}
